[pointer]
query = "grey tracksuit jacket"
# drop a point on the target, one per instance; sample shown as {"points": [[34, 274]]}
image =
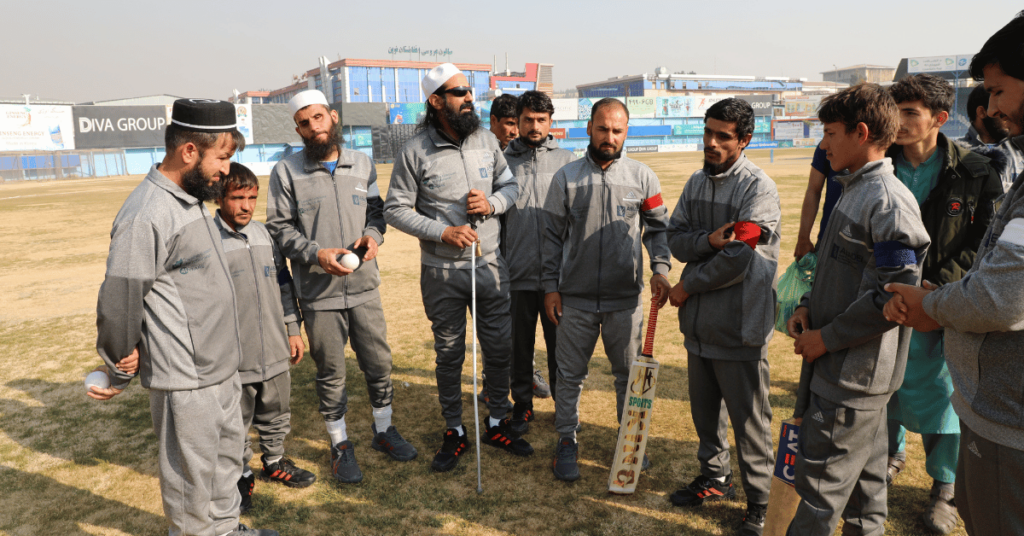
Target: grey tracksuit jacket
{"points": [[523, 230], [983, 314], [429, 187], [266, 301], [874, 237], [308, 208], [168, 291], [737, 278], [592, 234]]}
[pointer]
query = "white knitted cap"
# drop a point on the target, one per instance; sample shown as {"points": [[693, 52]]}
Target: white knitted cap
{"points": [[305, 98], [437, 76]]}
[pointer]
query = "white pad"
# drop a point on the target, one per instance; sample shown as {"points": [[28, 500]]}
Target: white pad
{"points": [[437, 76], [305, 98]]}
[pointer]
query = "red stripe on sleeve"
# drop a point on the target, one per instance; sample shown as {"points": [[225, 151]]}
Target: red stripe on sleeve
{"points": [[652, 202], [748, 233]]}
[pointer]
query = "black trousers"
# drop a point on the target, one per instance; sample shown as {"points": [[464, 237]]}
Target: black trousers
{"points": [[526, 306]]}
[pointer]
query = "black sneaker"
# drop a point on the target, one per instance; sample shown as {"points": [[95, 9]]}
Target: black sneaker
{"points": [[393, 444], [704, 489], [520, 423], [285, 472], [753, 521], [566, 466], [344, 466], [245, 485], [447, 456], [242, 530], [502, 437]]}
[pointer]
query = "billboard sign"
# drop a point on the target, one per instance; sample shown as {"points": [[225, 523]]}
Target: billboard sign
{"points": [[641, 149], [642, 107], [36, 128], [762, 104], [677, 147], [557, 133], [112, 127], [243, 117], [584, 106], [565, 109], [934, 64], [788, 130], [407, 113]]}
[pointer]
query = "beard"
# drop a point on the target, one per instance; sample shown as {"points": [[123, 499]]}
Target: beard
{"points": [[606, 155], [711, 168], [198, 186], [462, 123], [996, 129], [530, 142], [317, 151]]}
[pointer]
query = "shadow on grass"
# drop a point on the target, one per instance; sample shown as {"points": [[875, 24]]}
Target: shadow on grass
{"points": [[74, 427], [35, 504]]}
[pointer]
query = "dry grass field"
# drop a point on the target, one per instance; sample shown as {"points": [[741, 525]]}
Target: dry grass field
{"points": [[70, 465]]}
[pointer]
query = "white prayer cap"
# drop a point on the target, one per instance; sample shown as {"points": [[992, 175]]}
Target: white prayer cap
{"points": [[437, 76], [305, 98]]}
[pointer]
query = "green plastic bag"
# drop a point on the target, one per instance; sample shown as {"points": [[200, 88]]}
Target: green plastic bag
{"points": [[794, 283]]}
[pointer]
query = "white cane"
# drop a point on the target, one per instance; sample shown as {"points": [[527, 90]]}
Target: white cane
{"points": [[476, 404]]}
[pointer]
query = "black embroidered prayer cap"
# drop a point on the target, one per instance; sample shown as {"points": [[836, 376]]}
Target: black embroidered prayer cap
{"points": [[204, 115]]}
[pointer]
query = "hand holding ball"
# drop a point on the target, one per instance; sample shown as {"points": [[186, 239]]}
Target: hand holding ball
{"points": [[350, 261], [98, 378]]}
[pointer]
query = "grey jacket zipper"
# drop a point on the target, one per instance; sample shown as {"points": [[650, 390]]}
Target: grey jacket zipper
{"points": [[259, 307]]}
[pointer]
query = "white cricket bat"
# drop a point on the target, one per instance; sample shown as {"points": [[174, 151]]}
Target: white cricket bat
{"points": [[636, 414]]}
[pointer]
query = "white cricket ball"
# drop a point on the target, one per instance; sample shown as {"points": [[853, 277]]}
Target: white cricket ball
{"points": [[350, 261], [405, 384], [97, 378]]}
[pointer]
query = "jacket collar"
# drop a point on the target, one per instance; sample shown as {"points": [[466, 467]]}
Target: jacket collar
{"points": [[161, 180], [344, 159], [741, 161], [441, 139], [871, 169]]}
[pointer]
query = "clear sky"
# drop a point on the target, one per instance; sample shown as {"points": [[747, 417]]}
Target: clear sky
{"points": [[79, 51]]}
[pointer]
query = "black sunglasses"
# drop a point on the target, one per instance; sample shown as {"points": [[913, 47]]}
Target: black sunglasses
{"points": [[459, 91]]}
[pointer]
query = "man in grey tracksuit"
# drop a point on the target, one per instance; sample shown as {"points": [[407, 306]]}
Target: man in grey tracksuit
{"points": [[983, 317], [268, 321], [533, 157], [167, 300], [728, 271], [324, 202], [600, 211], [447, 188]]}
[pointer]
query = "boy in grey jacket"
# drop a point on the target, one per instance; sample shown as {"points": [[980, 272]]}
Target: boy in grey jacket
{"points": [[268, 321], [983, 314], [324, 202], [449, 184], [599, 212], [167, 301], [726, 229], [533, 157], [853, 357]]}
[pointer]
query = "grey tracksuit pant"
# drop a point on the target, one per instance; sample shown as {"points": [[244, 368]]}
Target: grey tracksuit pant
{"points": [[328, 331], [737, 391], [447, 295], [527, 305], [265, 405], [200, 436], [840, 470], [989, 485], [577, 336]]}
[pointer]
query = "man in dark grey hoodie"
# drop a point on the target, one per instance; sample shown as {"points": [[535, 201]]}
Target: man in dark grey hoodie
{"points": [[324, 202], [726, 229], [600, 211], [449, 184], [983, 317], [167, 300], [533, 157]]}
